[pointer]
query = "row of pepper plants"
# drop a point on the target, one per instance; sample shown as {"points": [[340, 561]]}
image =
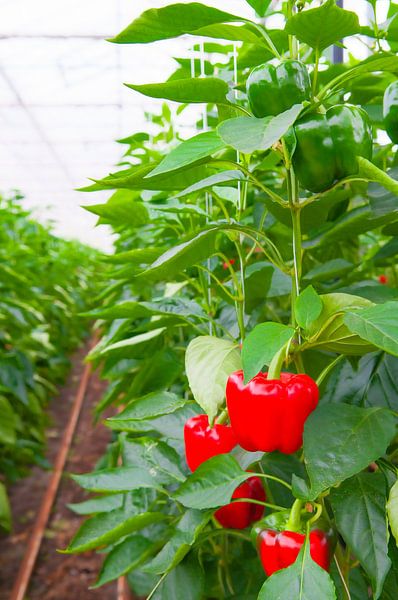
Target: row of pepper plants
{"points": [[251, 317], [45, 283]]}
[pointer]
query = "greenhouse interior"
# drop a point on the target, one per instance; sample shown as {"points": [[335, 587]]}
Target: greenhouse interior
{"points": [[199, 300]]}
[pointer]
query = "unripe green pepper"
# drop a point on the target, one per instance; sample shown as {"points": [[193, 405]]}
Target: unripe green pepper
{"points": [[274, 89], [390, 111], [328, 145]]}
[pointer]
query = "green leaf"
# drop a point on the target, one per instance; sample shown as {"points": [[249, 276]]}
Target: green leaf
{"points": [[184, 255], [134, 178], [330, 332], [321, 27], [209, 182], [185, 535], [342, 440], [304, 580], [359, 506], [329, 270], [235, 33], [121, 479], [153, 455], [208, 362], [377, 325], [200, 146], [197, 90], [285, 467], [169, 426], [260, 346], [171, 21], [392, 510], [5, 511], [187, 576], [97, 505], [106, 528], [308, 307], [121, 208], [190, 252], [136, 346], [152, 405], [123, 558], [248, 134], [212, 484], [371, 382], [260, 6]]}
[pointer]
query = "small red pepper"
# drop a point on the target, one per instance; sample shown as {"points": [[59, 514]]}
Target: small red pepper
{"points": [[279, 549], [383, 279], [269, 415], [239, 515], [280, 536], [201, 443]]}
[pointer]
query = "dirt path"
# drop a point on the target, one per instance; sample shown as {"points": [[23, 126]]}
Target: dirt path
{"points": [[57, 576]]}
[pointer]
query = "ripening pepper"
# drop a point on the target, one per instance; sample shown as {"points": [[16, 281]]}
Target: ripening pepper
{"points": [[269, 414], [279, 547], [390, 111], [274, 89], [328, 145], [201, 443]]}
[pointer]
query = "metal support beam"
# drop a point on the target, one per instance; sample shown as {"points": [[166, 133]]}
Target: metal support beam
{"points": [[338, 52]]}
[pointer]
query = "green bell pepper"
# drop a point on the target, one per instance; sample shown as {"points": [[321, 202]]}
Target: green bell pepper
{"points": [[390, 111], [274, 89], [328, 145]]}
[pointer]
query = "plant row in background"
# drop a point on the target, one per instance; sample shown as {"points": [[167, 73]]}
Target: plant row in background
{"points": [[265, 242], [45, 283]]}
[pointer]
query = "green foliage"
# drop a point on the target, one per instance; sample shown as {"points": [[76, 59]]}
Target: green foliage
{"points": [[45, 283], [223, 260]]}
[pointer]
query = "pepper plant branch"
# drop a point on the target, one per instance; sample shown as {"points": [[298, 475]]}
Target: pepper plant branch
{"points": [[273, 478], [259, 502]]}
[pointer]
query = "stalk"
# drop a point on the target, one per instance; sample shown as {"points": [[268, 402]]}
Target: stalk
{"points": [[295, 211]]}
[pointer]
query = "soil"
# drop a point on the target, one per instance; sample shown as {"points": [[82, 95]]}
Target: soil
{"points": [[57, 576]]}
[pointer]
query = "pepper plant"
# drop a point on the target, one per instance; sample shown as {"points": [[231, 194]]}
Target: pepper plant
{"points": [[45, 283], [251, 320]]}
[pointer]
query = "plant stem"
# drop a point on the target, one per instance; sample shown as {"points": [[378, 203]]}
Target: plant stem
{"points": [[295, 211], [267, 39], [273, 478], [294, 522], [276, 364], [315, 74], [328, 369], [253, 501], [240, 303], [224, 531], [368, 170]]}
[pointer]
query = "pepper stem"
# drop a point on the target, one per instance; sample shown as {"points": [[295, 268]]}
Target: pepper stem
{"points": [[369, 171], [276, 364], [294, 522]]}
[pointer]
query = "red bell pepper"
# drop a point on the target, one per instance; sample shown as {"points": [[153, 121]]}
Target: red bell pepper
{"points": [[269, 414], [239, 515], [280, 536], [279, 549], [201, 443]]}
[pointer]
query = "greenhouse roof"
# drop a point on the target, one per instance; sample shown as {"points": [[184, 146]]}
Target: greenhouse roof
{"points": [[62, 102]]}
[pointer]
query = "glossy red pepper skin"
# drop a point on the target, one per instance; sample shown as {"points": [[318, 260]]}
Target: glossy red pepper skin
{"points": [[201, 443], [279, 549], [269, 415], [239, 515]]}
